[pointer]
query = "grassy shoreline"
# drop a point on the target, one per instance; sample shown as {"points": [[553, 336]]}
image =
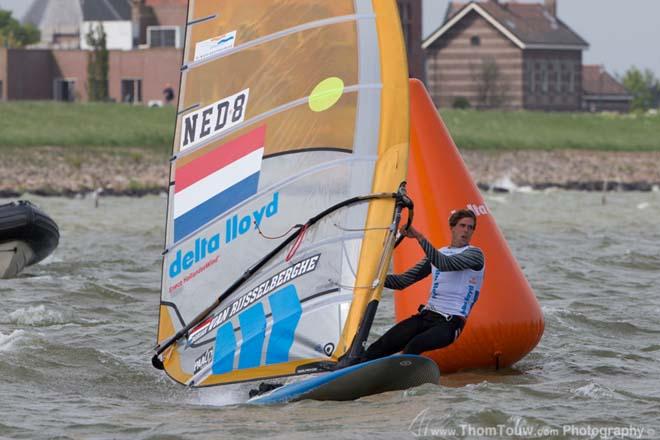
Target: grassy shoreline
{"points": [[94, 125], [526, 130], [51, 148]]}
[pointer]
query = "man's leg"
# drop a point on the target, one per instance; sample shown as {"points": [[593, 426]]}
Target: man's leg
{"points": [[441, 334], [395, 338]]}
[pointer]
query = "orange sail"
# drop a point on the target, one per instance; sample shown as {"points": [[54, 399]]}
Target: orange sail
{"points": [[507, 322]]}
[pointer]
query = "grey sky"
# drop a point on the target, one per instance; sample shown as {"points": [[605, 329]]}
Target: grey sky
{"points": [[18, 7], [620, 34]]}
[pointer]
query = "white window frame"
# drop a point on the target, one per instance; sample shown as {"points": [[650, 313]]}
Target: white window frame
{"points": [[545, 80], [136, 99], [177, 37]]}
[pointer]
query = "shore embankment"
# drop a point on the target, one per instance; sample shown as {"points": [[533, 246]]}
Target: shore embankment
{"points": [[49, 148], [60, 171], [585, 170]]}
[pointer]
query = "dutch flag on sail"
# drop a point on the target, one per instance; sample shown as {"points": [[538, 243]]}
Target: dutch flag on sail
{"points": [[212, 184]]}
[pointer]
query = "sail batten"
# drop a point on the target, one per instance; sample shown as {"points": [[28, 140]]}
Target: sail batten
{"points": [[201, 20], [286, 121], [280, 34]]}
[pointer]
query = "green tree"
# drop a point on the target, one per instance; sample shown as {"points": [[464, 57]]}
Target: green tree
{"points": [[642, 86], [98, 61], [492, 89], [15, 35]]}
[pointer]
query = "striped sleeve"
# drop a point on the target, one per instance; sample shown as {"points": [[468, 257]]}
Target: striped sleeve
{"points": [[411, 276], [471, 258]]}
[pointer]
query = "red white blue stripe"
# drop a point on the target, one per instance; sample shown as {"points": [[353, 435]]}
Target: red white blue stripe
{"points": [[212, 184]]}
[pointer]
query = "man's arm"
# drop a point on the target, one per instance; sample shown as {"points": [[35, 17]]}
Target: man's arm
{"points": [[411, 276], [471, 258]]}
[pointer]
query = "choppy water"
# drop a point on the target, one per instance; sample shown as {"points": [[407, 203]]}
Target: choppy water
{"points": [[76, 333]]}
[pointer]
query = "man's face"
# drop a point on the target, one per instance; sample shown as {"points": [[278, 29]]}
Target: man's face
{"points": [[461, 234]]}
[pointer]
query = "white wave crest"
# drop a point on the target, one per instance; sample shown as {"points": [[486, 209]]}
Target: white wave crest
{"points": [[230, 395], [594, 391], [506, 183], [8, 341], [37, 316]]}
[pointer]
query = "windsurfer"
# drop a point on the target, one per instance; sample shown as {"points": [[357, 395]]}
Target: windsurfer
{"points": [[457, 272]]}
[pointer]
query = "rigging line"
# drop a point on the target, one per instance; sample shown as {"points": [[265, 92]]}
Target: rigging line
{"points": [[378, 228], [296, 244], [278, 35], [355, 287], [348, 260], [274, 237], [273, 187], [407, 203], [313, 247], [160, 348], [176, 310], [280, 109]]}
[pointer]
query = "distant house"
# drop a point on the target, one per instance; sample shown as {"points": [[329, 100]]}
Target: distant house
{"points": [[56, 68], [602, 92], [59, 22], [507, 55], [145, 39], [114, 17], [159, 23], [128, 24]]}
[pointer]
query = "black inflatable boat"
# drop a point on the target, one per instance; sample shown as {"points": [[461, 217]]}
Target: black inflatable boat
{"points": [[27, 236]]}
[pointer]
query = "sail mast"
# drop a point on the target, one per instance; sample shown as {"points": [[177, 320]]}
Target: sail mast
{"points": [[393, 160]]}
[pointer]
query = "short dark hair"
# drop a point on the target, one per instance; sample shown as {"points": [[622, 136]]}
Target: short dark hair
{"points": [[456, 216]]}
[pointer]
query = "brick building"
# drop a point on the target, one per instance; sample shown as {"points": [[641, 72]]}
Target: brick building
{"points": [[56, 68], [410, 12], [507, 55], [141, 34], [602, 92]]}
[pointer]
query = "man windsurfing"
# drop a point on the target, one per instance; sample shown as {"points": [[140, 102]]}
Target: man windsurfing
{"points": [[457, 272]]}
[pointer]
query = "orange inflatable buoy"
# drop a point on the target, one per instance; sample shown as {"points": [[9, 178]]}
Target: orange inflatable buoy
{"points": [[506, 322]]}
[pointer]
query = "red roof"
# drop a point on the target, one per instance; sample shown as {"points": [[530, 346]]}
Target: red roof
{"points": [[596, 81], [531, 23]]}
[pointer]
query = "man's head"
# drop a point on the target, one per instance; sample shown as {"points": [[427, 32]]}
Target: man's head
{"points": [[462, 225]]}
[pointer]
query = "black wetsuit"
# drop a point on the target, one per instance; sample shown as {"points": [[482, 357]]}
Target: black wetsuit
{"points": [[427, 330]]}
